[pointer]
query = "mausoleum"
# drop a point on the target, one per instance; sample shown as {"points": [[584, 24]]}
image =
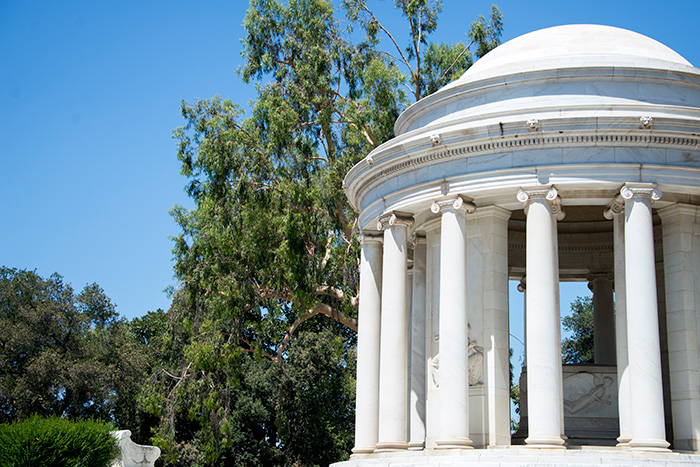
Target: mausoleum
{"points": [[567, 154]]}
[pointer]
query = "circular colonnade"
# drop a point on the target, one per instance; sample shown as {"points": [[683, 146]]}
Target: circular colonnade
{"points": [[570, 153]]}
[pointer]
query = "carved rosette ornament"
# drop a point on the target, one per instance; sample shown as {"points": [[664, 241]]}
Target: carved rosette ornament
{"points": [[458, 202], [646, 190], [391, 219], [546, 192]]}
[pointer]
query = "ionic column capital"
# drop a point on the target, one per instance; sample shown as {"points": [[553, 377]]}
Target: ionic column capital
{"points": [[641, 190], [391, 219], [416, 239], [522, 286], [456, 203], [367, 238], [546, 192], [596, 276], [616, 207]]}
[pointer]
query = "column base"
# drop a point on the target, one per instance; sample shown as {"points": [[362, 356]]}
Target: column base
{"points": [[416, 446], [544, 442], [363, 450], [391, 446], [658, 445], [623, 442], [454, 443]]}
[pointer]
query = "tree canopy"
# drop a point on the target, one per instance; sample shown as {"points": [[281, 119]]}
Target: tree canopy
{"points": [[252, 375], [578, 348], [64, 353]]}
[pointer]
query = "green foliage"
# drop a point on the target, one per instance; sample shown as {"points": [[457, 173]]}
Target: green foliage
{"points": [[65, 354], [579, 347], [514, 393], [250, 374], [55, 442]]}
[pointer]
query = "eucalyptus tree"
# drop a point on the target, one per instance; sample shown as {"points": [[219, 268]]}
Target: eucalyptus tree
{"points": [[272, 241]]}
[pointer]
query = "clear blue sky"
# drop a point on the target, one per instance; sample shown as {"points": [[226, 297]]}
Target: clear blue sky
{"points": [[89, 96]]}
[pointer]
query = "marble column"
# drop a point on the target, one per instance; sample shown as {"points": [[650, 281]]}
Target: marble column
{"points": [[393, 359], [543, 348], [603, 318], [615, 212], [454, 368], [368, 333], [681, 244], [418, 377], [487, 290], [557, 215], [647, 404], [432, 331]]}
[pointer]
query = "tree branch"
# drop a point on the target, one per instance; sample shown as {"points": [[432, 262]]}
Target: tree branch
{"points": [[386, 31], [319, 308]]}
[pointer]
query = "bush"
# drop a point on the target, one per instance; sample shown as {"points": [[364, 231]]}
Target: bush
{"points": [[55, 442]]}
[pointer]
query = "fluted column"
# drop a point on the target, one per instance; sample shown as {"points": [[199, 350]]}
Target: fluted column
{"points": [[393, 360], [616, 212], [647, 404], [543, 346], [417, 398], [603, 318], [454, 368], [368, 333]]}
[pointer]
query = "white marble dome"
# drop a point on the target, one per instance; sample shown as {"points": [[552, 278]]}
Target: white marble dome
{"points": [[575, 45]]}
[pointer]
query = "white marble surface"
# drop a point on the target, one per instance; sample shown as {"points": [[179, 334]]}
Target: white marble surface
{"points": [[524, 457], [132, 454]]}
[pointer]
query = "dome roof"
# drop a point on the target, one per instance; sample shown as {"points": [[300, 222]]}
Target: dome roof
{"points": [[576, 45]]}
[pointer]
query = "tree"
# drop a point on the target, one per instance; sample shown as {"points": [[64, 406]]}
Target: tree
{"points": [[579, 347], [65, 354], [271, 243]]}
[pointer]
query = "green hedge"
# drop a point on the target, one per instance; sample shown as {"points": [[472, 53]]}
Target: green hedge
{"points": [[55, 442]]}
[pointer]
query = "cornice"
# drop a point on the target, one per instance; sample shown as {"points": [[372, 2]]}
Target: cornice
{"points": [[364, 177], [685, 76]]}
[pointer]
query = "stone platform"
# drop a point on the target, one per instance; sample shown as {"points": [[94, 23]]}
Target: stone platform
{"points": [[519, 456]]}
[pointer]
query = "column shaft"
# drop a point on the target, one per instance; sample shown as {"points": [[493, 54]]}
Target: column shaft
{"points": [[454, 369], [393, 376], [648, 429], [367, 392], [543, 346], [418, 376], [680, 243], [603, 319], [487, 290], [623, 379]]}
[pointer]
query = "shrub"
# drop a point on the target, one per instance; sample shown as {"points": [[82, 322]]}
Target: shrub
{"points": [[55, 442]]}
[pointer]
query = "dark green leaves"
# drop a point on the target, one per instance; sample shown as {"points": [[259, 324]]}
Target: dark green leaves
{"points": [[579, 347]]}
